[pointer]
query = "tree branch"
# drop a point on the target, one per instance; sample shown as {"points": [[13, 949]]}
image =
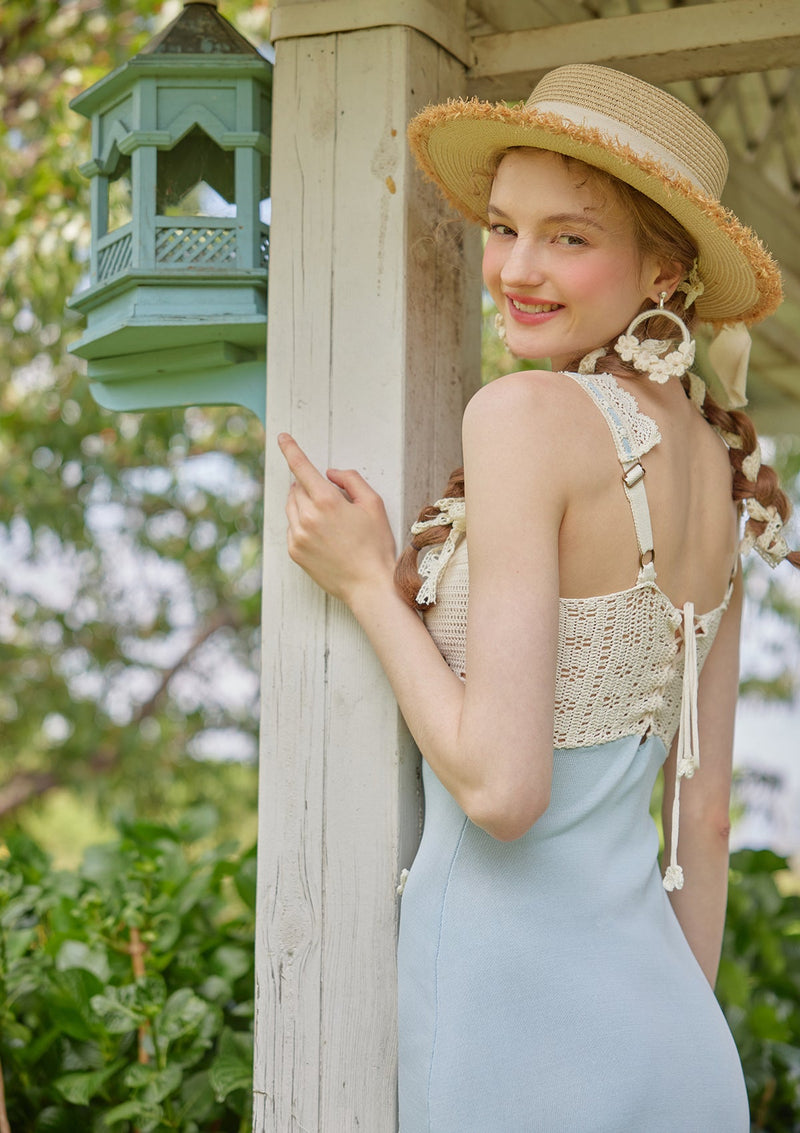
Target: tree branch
{"points": [[24, 786]]}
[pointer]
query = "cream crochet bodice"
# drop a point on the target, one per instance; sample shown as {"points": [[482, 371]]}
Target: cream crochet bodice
{"points": [[628, 662], [620, 657]]}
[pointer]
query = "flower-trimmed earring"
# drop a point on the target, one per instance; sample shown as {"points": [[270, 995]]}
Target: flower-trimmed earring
{"points": [[648, 356], [500, 327]]}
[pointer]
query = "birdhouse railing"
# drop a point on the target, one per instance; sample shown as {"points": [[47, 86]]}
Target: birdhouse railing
{"points": [[190, 243], [196, 242], [114, 253]]}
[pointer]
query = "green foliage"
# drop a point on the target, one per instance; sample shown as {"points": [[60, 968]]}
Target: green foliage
{"points": [[129, 544], [145, 952], [126, 987], [759, 987]]}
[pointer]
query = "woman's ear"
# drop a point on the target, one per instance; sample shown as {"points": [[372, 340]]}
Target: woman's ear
{"points": [[664, 277]]}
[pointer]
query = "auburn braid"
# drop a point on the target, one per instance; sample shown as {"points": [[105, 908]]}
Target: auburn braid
{"points": [[757, 482], [406, 575]]}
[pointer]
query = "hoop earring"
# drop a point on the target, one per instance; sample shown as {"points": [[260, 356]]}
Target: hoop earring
{"points": [[648, 355]]}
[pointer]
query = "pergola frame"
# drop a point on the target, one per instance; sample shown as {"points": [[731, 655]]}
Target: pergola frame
{"points": [[373, 350]]}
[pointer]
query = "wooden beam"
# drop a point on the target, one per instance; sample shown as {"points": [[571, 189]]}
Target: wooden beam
{"points": [[723, 38], [374, 322], [780, 336], [511, 15], [784, 380], [773, 215], [773, 413]]}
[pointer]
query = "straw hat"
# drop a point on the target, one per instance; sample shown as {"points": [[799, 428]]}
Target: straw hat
{"points": [[630, 129]]}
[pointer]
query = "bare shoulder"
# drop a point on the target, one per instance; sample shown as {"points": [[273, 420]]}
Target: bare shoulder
{"points": [[539, 404], [524, 398]]}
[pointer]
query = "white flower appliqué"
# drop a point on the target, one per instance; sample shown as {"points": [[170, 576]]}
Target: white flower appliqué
{"points": [[646, 356]]}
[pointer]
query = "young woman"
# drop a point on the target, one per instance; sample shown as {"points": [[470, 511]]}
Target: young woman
{"points": [[550, 979]]}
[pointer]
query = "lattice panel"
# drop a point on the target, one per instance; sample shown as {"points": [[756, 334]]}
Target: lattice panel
{"points": [[114, 257], [758, 116], [196, 247]]}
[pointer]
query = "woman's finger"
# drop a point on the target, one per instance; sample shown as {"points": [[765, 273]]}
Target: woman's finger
{"points": [[292, 509], [300, 466], [353, 483]]}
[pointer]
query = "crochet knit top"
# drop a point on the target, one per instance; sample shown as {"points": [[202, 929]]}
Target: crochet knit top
{"points": [[628, 662]]}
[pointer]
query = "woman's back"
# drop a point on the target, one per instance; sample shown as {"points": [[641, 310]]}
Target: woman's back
{"points": [[688, 482]]}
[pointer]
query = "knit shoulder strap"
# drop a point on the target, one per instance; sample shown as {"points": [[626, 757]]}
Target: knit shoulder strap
{"points": [[634, 434]]}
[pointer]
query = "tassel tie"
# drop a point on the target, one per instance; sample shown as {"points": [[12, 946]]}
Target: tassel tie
{"points": [[688, 742], [452, 512]]}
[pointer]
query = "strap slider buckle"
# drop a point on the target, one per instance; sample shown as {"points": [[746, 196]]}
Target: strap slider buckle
{"points": [[633, 475]]}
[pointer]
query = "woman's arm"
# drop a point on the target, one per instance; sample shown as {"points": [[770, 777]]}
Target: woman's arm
{"points": [[705, 799], [489, 740]]}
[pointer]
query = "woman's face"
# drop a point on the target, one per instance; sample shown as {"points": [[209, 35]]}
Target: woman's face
{"points": [[561, 262]]}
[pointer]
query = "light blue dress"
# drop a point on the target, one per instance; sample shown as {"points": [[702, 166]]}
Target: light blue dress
{"points": [[545, 985]]}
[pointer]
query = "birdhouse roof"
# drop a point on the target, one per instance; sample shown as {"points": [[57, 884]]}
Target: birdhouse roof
{"points": [[199, 29]]}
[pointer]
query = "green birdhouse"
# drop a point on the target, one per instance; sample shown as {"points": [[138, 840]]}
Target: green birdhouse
{"points": [[176, 305]]}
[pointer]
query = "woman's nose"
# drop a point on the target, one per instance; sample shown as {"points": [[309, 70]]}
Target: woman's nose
{"points": [[524, 265]]}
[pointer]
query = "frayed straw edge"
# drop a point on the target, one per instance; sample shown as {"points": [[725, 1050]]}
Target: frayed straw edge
{"points": [[762, 263]]}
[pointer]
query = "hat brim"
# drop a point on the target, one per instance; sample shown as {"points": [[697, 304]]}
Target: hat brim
{"points": [[458, 145]]}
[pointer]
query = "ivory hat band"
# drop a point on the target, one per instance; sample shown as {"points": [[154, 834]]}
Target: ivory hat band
{"points": [[630, 129]]}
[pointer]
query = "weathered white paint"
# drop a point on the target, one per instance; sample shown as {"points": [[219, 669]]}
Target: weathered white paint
{"points": [[441, 22], [367, 365], [677, 43]]}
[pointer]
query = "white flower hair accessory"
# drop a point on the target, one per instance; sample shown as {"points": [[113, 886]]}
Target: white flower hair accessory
{"points": [[692, 285]]}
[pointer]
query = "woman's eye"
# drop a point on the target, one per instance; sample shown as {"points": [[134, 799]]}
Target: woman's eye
{"points": [[501, 230], [570, 240]]}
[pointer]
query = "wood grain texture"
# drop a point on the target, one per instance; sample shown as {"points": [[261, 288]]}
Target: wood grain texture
{"points": [[663, 46], [366, 367], [288, 930]]}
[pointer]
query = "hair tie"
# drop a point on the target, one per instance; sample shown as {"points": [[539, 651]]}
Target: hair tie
{"points": [[452, 514], [732, 440], [752, 463], [589, 361], [770, 544]]}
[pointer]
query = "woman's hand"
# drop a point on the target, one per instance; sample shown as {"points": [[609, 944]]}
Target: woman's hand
{"points": [[338, 530]]}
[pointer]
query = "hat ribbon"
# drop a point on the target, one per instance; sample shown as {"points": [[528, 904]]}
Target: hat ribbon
{"points": [[728, 356]]}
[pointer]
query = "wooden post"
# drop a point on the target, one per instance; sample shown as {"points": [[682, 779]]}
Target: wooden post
{"points": [[373, 349]]}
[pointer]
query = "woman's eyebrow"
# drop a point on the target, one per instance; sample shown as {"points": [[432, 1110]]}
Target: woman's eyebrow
{"points": [[555, 218], [572, 218]]}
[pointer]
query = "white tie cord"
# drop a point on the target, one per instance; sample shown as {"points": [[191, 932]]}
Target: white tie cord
{"points": [[688, 756]]}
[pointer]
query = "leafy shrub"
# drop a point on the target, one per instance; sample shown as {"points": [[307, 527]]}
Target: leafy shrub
{"points": [[126, 987], [759, 987]]}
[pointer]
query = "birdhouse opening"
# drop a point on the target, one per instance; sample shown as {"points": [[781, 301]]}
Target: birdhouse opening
{"points": [[197, 177], [120, 192]]}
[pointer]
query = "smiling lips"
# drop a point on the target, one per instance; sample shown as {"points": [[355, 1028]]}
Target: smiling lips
{"points": [[534, 308]]}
